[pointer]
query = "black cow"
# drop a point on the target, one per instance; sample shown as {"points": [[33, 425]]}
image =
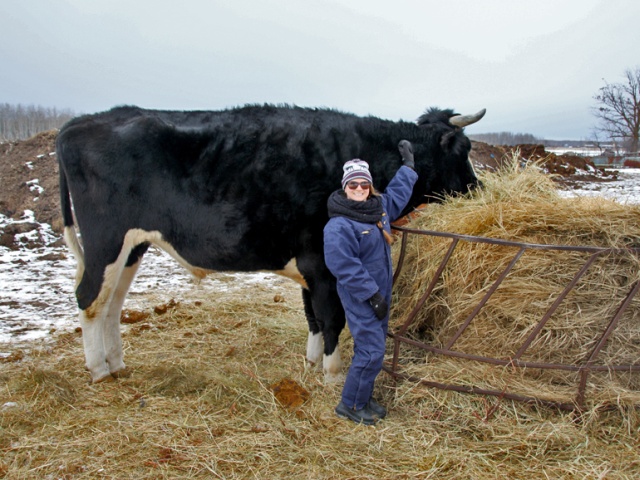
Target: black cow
{"points": [[235, 190]]}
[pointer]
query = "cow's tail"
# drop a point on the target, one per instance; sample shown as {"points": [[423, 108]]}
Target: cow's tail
{"points": [[70, 234]]}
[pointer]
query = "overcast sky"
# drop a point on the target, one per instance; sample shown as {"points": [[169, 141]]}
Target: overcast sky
{"points": [[533, 64]]}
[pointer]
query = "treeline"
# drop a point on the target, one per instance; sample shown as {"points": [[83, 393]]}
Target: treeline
{"points": [[506, 138], [19, 122]]}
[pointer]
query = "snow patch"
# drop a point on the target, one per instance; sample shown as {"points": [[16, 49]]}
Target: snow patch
{"points": [[37, 284]]}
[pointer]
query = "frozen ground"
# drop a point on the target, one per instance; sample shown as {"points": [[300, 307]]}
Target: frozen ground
{"points": [[36, 284], [626, 189]]}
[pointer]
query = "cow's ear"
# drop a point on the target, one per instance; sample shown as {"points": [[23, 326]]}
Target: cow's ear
{"points": [[447, 139]]}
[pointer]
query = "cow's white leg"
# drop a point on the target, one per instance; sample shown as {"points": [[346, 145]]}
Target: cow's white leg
{"points": [[101, 320], [92, 339], [315, 347], [111, 325], [332, 366]]}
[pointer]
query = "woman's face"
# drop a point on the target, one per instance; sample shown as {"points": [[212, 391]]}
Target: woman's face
{"points": [[357, 190]]}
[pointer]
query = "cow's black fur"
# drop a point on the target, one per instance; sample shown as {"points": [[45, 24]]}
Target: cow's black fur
{"points": [[242, 189]]}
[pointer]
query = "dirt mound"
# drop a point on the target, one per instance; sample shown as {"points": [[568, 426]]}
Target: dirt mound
{"points": [[484, 155], [29, 179], [29, 173]]}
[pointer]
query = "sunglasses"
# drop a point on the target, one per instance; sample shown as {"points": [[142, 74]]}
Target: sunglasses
{"points": [[363, 185]]}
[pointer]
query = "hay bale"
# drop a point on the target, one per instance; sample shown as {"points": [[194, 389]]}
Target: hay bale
{"points": [[523, 205]]}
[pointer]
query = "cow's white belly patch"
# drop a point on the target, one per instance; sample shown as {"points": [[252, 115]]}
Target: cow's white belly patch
{"points": [[137, 236], [291, 271]]}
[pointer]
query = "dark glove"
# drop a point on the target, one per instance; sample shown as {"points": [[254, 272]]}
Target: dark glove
{"points": [[379, 305], [406, 150]]}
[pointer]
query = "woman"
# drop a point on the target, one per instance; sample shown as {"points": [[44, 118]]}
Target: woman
{"points": [[357, 251]]}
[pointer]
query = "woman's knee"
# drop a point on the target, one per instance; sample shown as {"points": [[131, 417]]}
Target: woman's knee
{"points": [[370, 358]]}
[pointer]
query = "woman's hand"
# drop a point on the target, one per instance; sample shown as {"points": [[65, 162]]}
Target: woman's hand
{"points": [[379, 305], [406, 151]]}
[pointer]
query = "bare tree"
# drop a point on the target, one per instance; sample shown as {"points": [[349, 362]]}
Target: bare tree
{"points": [[619, 110], [505, 138], [18, 122]]}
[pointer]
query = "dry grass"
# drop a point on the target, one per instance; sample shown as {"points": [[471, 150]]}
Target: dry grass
{"points": [[199, 403], [524, 206], [202, 401]]}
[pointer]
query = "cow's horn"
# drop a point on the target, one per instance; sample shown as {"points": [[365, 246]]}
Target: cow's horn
{"points": [[464, 120]]}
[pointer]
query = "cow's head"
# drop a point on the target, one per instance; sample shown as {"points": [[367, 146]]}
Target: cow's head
{"points": [[442, 154]]}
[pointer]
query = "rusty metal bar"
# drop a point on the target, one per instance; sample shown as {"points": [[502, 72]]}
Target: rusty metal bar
{"points": [[414, 312], [509, 243], [482, 391], [555, 305], [485, 299], [432, 284], [614, 321], [515, 363], [582, 369], [603, 340], [403, 251]]}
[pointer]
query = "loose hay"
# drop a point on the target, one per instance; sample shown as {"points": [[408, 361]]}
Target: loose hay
{"points": [[189, 410], [523, 205]]}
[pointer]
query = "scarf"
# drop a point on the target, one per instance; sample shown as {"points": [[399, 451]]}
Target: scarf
{"points": [[369, 211]]}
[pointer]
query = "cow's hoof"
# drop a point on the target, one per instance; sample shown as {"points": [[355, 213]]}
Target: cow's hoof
{"points": [[333, 378], [310, 364]]}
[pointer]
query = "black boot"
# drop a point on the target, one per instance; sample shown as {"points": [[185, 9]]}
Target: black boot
{"points": [[364, 415], [376, 408]]}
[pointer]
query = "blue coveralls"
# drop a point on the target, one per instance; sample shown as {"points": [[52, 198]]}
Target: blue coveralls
{"points": [[359, 257]]}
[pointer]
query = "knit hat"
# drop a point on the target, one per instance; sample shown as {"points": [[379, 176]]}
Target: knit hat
{"points": [[354, 169]]}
